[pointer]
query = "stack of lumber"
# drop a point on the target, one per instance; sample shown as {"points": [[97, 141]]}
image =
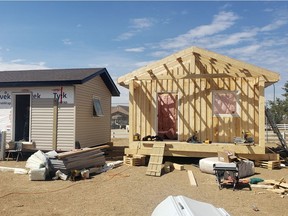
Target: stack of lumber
{"points": [[134, 160], [78, 159], [269, 164]]}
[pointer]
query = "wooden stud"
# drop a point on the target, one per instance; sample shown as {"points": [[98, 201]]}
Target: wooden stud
{"points": [[192, 178]]}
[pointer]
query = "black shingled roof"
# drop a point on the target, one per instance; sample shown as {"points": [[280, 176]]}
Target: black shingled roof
{"points": [[55, 77]]}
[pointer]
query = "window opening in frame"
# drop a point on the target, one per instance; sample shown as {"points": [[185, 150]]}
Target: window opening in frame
{"points": [[226, 103]]}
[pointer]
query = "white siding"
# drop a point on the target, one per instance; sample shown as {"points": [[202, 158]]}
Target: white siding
{"points": [[42, 123], [66, 125]]}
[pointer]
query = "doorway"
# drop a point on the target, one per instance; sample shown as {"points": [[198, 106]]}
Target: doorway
{"points": [[167, 115], [22, 117]]}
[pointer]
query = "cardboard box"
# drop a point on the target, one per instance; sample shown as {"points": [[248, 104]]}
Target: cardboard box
{"points": [[225, 156]]}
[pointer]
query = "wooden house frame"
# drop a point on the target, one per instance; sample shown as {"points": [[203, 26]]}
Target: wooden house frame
{"points": [[198, 80]]}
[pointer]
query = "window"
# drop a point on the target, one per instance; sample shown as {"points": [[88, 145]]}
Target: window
{"points": [[225, 103], [97, 108]]}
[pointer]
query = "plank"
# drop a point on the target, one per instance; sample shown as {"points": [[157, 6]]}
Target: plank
{"points": [[178, 166], [192, 178], [156, 159], [77, 152], [262, 186]]}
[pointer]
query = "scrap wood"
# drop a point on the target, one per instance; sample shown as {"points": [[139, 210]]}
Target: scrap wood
{"points": [[276, 183], [262, 186], [178, 166], [192, 178], [278, 190]]}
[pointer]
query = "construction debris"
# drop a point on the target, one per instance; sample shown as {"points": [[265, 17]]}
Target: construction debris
{"points": [[192, 178], [73, 165], [276, 186], [178, 166], [77, 160], [15, 170], [37, 174]]}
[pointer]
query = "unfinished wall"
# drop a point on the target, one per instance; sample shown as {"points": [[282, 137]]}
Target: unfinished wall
{"points": [[195, 101]]}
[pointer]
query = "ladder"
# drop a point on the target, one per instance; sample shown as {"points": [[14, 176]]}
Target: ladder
{"points": [[275, 128], [156, 159]]}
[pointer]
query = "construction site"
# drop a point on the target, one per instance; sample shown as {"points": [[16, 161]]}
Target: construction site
{"points": [[198, 127]]}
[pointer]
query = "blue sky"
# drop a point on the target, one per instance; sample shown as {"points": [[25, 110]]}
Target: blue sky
{"points": [[123, 36]]}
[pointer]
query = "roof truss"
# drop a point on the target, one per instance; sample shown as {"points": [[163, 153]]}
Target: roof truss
{"points": [[220, 65]]}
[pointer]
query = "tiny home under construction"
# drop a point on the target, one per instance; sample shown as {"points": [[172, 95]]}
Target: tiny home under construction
{"points": [[57, 108], [199, 96]]}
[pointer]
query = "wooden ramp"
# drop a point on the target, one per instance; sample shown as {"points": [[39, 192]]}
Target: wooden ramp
{"points": [[156, 159]]}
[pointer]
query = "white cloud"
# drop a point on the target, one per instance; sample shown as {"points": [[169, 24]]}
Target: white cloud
{"points": [[159, 54], [233, 39], [17, 60], [275, 25], [245, 50], [141, 23], [67, 41], [5, 66], [137, 26], [136, 49], [220, 22]]}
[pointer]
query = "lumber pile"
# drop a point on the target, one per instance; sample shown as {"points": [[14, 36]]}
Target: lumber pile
{"points": [[77, 159], [269, 164], [135, 160]]}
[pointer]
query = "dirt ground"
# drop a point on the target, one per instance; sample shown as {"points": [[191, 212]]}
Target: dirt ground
{"points": [[128, 191]]}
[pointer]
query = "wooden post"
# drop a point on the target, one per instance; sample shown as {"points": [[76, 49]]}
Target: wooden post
{"points": [[2, 145], [131, 111], [261, 105], [55, 122]]}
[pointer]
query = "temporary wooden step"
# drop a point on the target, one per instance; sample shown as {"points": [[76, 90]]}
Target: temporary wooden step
{"points": [[270, 164], [156, 159], [135, 160]]}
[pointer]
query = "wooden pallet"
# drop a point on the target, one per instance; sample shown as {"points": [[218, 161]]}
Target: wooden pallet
{"points": [[135, 160], [156, 159], [270, 164]]}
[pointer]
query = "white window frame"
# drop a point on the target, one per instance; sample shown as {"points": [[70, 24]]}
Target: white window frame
{"points": [[236, 95], [97, 107]]}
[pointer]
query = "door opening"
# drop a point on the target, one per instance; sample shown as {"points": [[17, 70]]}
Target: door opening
{"points": [[22, 117], [167, 116]]}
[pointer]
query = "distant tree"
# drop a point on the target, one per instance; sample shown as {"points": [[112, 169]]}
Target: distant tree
{"points": [[279, 108], [285, 88]]}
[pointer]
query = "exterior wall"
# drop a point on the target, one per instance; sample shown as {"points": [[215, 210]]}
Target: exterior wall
{"points": [[42, 123], [66, 127], [41, 116], [91, 131], [195, 103]]}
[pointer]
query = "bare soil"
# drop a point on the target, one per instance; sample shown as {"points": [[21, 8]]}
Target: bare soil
{"points": [[128, 191]]}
